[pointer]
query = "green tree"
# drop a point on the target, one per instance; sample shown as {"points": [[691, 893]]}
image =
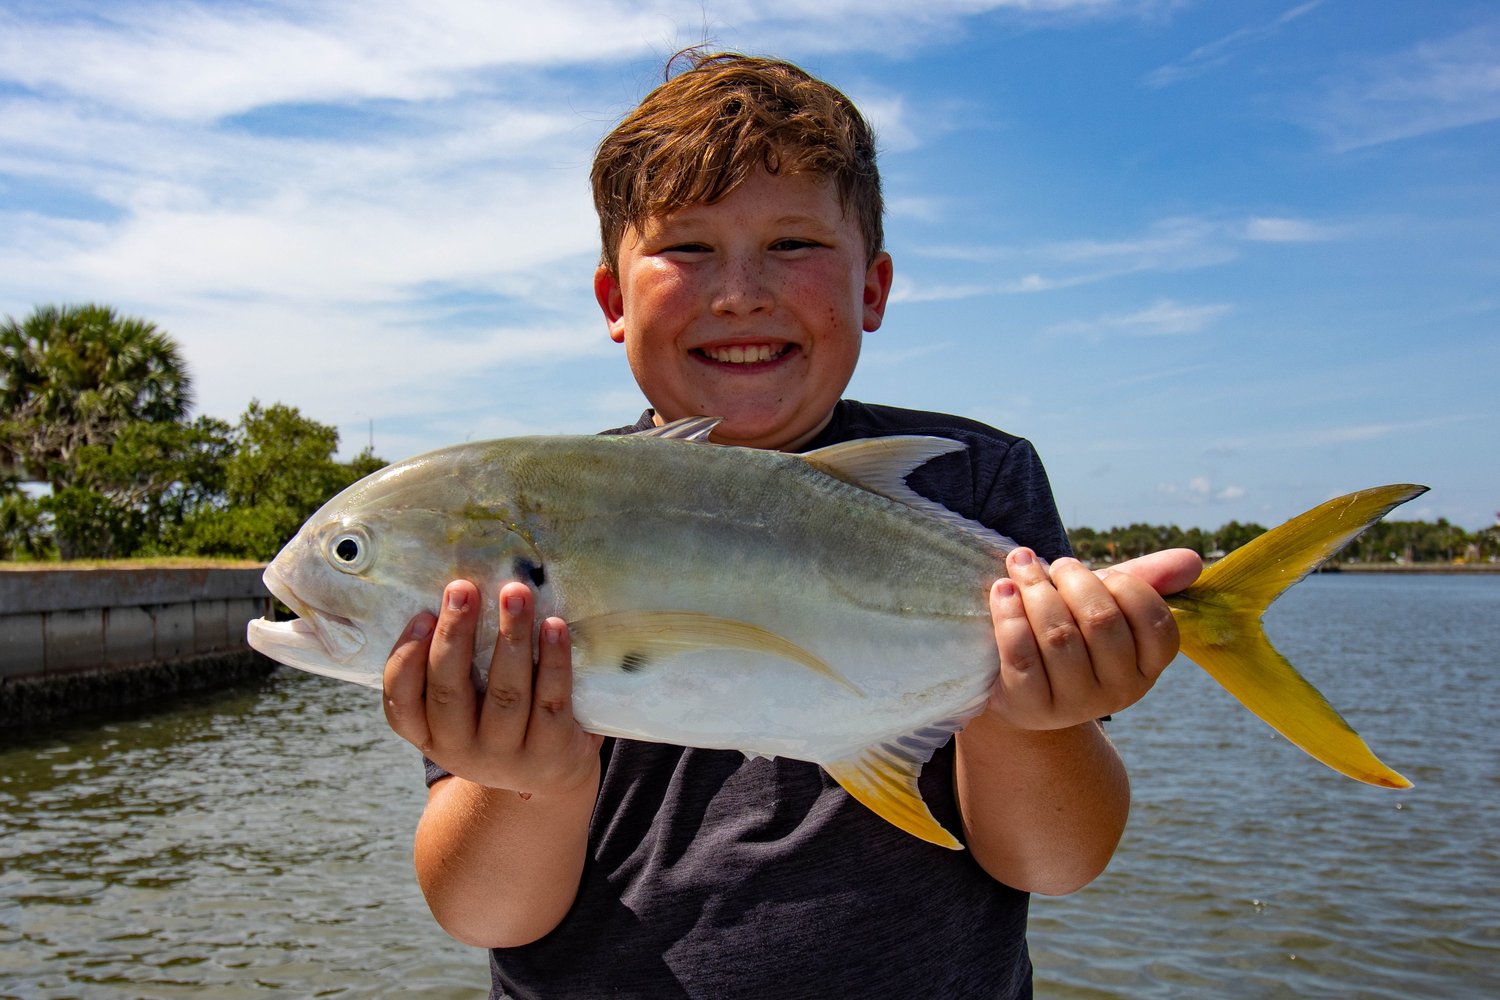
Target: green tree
{"points": [[132, 496], [73, 376], [282, 470], [23, 523]]}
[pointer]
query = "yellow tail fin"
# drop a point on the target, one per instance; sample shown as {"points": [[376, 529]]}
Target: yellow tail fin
{"points": [[1218, 618]]}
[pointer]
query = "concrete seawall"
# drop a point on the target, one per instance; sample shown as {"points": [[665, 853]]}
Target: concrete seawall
{"points": [[77, 640]]}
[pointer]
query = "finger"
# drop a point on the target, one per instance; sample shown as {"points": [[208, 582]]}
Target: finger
{"points": [[507, 698], [1059, 639], [1153, 628], [1166, 572], [450, 685], [1022, 685], [552, 722], [405, 682], [1107, 641]]}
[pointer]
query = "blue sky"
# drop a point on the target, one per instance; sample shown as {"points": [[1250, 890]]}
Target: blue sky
{"points": [[1219, 261]]}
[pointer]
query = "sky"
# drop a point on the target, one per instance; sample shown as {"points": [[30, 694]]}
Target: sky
{"points": [[1217, 261]]}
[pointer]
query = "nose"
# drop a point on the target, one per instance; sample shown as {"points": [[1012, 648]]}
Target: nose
{"points": [[743, 288]]}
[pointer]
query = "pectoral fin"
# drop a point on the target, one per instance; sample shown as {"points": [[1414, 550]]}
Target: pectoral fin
{"points": [[633, 640]]}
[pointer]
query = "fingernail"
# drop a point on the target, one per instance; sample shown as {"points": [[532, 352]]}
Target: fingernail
{"points": [[1022, 557], [458, 599], [421, 627], [1005, 589], [514, 604], [551, 633]]}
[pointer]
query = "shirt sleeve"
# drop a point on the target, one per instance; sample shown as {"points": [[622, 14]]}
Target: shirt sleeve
{"points": [[1020, 505]]}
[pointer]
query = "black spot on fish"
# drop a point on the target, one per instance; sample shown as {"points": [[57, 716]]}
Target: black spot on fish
{"points": [[528, 570], [631, 662]]}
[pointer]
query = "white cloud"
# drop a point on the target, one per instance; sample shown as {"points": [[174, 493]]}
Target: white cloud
{"points": [[1284, 230], [363, 203], [1177, 243], [1436, 85], [1220, 51], [1304, 437], [206, 61], [1169, 244], [1163, 317], [1201, 489]]}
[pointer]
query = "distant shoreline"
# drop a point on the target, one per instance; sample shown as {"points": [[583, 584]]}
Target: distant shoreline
{"points": [[1457, 569]]}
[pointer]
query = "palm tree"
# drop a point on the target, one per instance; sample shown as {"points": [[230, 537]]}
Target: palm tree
{"points": [[74, 375]]}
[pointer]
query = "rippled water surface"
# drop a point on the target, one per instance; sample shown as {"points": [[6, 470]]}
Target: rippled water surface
{"points": [[257, 843], [1249, 870]]}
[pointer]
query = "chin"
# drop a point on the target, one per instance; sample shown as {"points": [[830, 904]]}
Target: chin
{"points": [[775, 434]]}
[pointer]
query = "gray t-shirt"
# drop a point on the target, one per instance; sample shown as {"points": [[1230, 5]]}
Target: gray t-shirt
{"points": [[713, 876]]}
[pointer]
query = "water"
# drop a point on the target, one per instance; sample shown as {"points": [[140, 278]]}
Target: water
{"points": [[1249, 870], [253, 844], [257, 843]]}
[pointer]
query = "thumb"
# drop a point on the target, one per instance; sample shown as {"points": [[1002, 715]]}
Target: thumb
{"points": [[1167, 572]]}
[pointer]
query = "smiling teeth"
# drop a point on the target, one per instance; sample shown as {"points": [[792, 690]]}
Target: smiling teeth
{"points": [[742, 354]]}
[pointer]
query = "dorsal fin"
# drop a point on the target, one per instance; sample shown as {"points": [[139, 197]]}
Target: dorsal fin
{"points": [[694, 429], [881, 466]]}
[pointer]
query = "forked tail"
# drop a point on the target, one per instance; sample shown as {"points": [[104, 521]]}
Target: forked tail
{"points": [[1218, 618]]}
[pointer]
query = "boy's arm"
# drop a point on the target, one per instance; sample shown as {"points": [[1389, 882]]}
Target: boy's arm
{"points": [[1043, 794], [501, 844]]}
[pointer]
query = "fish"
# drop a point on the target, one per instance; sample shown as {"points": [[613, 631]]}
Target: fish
{"points": [[807, 606]]}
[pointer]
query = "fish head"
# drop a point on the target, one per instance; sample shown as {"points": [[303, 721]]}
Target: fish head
{"points": [[373, 557]]}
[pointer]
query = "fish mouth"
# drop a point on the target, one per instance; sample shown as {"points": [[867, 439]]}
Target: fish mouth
{"points": [[317, 640]]}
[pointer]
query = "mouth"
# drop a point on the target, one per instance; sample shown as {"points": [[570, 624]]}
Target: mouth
{"points": [[746, 356], [317, 641]]}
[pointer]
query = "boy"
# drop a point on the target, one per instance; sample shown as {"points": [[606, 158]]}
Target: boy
{"points": [[742, 262]]}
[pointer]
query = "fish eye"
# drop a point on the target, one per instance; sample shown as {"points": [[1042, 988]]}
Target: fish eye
{"points": [[350, 551]]}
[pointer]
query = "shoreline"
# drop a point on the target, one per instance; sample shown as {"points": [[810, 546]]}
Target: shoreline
{"points": [[1460, 569]]}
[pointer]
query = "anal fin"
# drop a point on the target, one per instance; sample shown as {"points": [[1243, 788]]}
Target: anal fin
{"points": [[884, 779]]}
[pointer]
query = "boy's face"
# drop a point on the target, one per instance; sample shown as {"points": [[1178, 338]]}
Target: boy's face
{"points": [[750, 309]]}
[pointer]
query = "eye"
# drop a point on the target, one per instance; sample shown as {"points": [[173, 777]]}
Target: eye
{"points": [[350, 551]]}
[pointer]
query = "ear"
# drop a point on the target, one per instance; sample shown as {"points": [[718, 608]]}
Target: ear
{"points": [[877, 290], [611, 299]]}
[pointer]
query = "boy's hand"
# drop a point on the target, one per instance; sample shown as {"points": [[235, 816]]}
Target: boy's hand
{"points": [[522, 735], [1077, 645]]}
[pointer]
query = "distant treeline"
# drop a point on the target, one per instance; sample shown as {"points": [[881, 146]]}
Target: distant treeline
{"points": [[1386, 542]]}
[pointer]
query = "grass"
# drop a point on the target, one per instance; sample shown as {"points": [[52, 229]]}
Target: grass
{"points": [[151, 562]]}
